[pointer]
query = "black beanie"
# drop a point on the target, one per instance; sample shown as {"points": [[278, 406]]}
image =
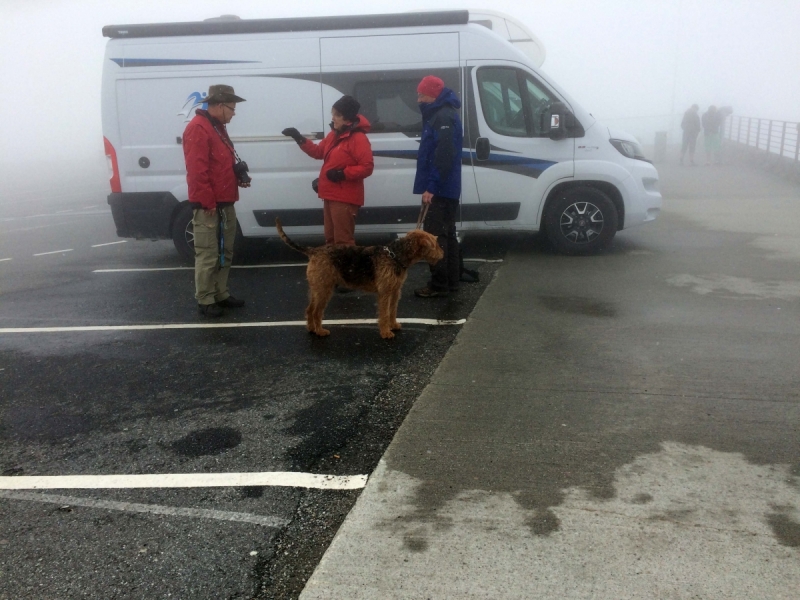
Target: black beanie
{"points": [[348, 107]]}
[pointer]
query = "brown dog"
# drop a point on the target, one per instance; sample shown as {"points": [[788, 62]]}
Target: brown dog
{"points": [[376, 269]]}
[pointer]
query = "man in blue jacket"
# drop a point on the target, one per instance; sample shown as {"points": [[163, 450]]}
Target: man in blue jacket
{"points": [[439, 179]]}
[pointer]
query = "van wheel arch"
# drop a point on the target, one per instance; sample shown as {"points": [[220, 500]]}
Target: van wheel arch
{"points": [[582, 217], [607, 188]]}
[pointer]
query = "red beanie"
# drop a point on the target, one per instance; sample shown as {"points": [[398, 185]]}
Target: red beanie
{"points": [[430, 86]]}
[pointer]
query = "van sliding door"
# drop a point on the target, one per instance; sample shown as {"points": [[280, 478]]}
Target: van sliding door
{"points": [[382, 73]]}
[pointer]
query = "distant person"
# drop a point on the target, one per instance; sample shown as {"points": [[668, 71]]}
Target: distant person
{"points": [[691, 129], [213, 190], [712, 139], [347, 160]]}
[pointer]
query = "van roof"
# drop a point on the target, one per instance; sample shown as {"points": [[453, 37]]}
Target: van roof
{"points": [[233, 26]]}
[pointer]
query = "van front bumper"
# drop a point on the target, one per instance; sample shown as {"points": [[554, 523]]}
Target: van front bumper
{"points": [[143, 215], [642, 197]]}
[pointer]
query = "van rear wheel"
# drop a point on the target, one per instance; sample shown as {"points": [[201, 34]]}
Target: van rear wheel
{"points": [[581, 220], [183, 233]]}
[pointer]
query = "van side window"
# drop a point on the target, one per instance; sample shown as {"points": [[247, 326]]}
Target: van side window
{"points": [[513, 102], [502, 101], [390, 106], [538, 100]]}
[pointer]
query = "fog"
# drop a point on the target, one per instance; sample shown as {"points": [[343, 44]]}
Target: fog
{"points": [[635, 65]]}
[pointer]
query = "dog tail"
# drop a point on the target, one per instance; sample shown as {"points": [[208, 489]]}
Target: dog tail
{"points": [[287, 241]]}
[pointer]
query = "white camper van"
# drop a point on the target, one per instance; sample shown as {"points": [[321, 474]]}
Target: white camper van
{"points": [[532, 159]]}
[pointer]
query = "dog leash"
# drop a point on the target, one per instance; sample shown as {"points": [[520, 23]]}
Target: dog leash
{"points": [[423, 212]]}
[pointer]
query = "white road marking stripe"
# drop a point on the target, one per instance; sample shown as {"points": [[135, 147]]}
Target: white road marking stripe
{"points": [[155, 509], [4, 259], [184, 480], [409, 321], [53, 252], [61, 214], [273, 266], [110, 243], [33, 228]]}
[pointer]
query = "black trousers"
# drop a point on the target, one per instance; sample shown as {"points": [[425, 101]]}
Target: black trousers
{"points": [[441, 222]]}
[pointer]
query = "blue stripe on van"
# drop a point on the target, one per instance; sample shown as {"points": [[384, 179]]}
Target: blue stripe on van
{"points": [[173, 62], [521, 165]]}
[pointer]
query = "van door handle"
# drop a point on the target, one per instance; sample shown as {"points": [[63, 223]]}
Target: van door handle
{"points": [[482, 149]]}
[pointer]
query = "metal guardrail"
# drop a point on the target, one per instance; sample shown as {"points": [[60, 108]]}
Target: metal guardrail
{"points": [[778, 140]]}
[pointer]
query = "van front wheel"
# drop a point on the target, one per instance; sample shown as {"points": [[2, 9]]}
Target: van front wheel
{"points": [[580, 220], [183, 233]]}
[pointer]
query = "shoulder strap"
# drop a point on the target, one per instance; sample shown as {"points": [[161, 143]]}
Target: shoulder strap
{"points": [[225, 138]]}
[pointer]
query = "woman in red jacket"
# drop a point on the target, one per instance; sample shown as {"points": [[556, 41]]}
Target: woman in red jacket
{"points": [[347, 160]]}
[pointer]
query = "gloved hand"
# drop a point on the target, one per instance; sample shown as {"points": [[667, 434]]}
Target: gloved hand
{"points": [[293, 133], [335, 174]]}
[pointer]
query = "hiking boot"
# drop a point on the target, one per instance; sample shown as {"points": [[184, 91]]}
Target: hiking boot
{"points": [[210, 310], [231, 302], [427, 292]]}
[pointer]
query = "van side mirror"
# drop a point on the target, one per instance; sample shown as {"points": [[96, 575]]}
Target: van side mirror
{"points": [[558, 121], [482, 148]]}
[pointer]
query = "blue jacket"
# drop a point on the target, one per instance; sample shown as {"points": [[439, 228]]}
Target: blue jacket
{"points": [[439, 156]]}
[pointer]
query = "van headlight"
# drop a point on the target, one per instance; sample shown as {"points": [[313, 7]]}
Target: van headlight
{"points": [[629, 149]]}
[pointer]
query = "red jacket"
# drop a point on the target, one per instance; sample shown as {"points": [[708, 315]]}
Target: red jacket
{"points": [[209, 162], [350, 151]]}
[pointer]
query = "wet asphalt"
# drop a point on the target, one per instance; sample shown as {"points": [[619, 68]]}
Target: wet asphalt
{"points": [[625, 425], [187, 401]]}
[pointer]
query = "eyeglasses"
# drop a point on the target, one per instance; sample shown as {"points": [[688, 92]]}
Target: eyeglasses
{"points": [[232, 108]]}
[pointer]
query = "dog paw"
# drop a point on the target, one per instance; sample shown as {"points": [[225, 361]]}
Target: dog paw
{"points": [[396, 326], [387, 335], [322, 332]]}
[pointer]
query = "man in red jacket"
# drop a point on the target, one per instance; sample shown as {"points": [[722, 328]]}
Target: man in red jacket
{"points": [[347, 160], [213, 189]]}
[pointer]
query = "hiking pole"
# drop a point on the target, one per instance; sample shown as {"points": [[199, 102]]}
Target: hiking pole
{"points": [[221, 236]]}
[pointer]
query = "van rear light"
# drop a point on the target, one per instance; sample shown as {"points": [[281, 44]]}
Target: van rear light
{"points": [[113, 167]]}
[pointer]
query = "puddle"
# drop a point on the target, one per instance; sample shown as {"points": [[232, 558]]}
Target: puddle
{"points": [[206, 442], [686, 521]]}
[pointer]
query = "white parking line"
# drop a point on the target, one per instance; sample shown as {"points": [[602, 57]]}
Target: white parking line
{"points": [[408, 321], [4, 259], [110, 243], [21, 229], [155, 509], [272, 266], [56, 214], [184, 480], [53, 252]]}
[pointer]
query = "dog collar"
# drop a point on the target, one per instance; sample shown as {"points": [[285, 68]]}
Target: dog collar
{"points": [[393, 256]]}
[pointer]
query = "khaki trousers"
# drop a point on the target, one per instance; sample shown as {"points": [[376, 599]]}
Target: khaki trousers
{"points": [[210, 279], [340, 222]]}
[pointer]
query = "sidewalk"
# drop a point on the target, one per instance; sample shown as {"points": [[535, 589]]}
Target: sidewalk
{"points": [[619, 426]]}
